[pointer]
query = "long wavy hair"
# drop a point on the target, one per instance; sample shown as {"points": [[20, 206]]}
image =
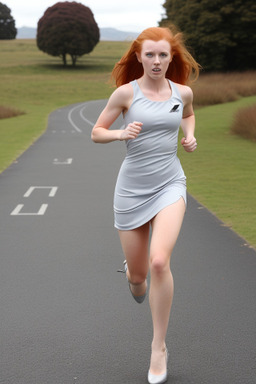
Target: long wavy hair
{"points": [[182, 66]]}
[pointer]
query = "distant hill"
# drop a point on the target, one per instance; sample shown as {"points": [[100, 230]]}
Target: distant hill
{"points": [[109, 34], [26, 33], [112, 34]]}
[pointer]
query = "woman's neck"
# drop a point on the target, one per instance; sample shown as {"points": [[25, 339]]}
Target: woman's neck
{"points": [[157, 90]]}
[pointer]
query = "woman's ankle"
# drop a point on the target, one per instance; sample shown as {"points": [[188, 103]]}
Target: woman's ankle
{"points": [[158, 346], [158, 361]]}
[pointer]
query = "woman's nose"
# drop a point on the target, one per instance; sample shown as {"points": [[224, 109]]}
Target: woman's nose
{"points": [[157, 59]]}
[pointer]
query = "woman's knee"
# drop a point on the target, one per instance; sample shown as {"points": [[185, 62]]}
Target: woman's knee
{"points": [[159, 264], [137, 278]]}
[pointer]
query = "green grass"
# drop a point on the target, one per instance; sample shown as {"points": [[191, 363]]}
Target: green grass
{"points": [[221, 173], [37, 84]]}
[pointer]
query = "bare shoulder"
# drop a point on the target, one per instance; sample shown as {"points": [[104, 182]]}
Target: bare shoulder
{"points": [[122, 96], [186, 93]]}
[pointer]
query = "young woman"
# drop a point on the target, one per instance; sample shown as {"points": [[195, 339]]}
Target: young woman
{"points": [[150, 191]]}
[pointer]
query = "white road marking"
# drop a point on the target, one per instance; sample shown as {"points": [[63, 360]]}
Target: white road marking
{"points": [[70, 118], [17, 211], [81, 115], [84, 118], [57, 161], [52, 193]]}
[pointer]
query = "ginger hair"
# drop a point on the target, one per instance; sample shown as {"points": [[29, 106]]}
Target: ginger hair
{"points": [[180, 69]]}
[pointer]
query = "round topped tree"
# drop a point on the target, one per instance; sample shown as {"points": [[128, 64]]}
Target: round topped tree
{"points": [[67, 28]]}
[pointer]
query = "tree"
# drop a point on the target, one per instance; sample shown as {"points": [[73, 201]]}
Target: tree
{"points": [[67, 28], [7, 23], [221, 33]]}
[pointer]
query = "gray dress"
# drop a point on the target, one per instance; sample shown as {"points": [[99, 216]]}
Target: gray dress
{"points": [[151, 176]]}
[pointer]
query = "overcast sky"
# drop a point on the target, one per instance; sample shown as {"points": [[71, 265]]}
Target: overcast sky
{"points": [[129, 15]]}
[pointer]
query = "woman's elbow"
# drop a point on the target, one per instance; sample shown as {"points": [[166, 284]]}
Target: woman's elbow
{"points": [[94, 136]]}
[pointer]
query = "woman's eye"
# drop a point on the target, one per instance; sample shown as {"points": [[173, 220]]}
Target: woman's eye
{"points": [[163, 55], [149, 54]]}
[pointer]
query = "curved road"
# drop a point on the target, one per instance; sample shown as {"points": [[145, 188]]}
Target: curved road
{"points": [[67, 317]]}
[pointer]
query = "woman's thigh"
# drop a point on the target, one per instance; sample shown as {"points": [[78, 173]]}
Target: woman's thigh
{"points": [[135, 245], [166, 227]]}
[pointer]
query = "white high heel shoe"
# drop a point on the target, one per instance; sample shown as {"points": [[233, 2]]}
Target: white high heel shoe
{"points": [[159, 379]]}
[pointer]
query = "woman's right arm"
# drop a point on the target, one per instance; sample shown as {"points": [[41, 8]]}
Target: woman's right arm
{"points": [[118, 102]]}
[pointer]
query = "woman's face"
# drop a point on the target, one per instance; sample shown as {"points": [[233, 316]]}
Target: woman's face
{"points": [[155, 57]]}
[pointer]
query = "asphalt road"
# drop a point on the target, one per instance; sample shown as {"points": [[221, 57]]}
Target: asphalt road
{"points": [[66, 315]]}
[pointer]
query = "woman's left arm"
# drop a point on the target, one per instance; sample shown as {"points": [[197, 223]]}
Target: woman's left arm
{"points": [[188, 120]]}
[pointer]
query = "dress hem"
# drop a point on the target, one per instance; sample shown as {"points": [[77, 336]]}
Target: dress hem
{"points": [[155, 212]]}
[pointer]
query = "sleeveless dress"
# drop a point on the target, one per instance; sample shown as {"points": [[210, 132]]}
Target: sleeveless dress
{"points": [[151, 176]]}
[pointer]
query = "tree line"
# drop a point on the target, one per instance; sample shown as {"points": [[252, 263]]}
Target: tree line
{"points": [[220, 34]]}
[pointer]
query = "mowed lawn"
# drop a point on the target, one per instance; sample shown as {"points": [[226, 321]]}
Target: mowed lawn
{"points": [[221, 173]]}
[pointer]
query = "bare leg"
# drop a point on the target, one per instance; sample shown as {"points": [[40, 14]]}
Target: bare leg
{"points": [[166, 226], [135, 248]]}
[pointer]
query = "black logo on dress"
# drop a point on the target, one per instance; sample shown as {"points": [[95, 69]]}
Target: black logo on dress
{"points": [[175, 108]]}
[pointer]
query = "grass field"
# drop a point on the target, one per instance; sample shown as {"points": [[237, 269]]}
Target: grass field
{"points": [[221, 173]]}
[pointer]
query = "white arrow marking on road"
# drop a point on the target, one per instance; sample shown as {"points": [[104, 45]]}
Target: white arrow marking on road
{"points": [[17, 211]]}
